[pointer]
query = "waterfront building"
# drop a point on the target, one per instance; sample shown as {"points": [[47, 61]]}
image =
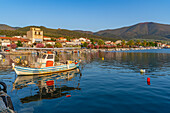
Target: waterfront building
{"points": [[118, 42], [84, 39], [46, 38], [17, 36], [35, 35], [49, 42], [74, 40], [61, 39], [7, 41], [73, 43], [4, 41], [25, 42], [108, 42], [2, 35]]}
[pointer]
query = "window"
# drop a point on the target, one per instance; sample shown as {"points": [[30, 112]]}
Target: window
{"points": [[35, 33], [39, 33], [50, 57]]}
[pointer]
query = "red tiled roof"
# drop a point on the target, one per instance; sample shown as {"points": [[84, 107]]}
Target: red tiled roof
{"points": [[5, 38], [19, 39], [15, 39]]}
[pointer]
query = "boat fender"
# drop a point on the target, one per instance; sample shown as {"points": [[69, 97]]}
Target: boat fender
{"points": [[4, 87]]}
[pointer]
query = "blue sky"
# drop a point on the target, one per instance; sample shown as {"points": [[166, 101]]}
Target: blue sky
{"points": [[93, 15]]}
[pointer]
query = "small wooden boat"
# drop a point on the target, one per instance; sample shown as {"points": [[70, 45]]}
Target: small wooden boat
{"points": [[46, 65]]}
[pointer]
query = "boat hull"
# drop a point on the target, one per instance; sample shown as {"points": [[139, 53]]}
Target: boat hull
{"points": [[37, 71]]}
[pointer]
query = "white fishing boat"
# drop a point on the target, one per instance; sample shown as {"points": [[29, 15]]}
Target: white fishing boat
{"points": [[46, 65]]}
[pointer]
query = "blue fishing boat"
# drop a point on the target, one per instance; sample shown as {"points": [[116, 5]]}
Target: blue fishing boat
{"points": [[46, 65]]}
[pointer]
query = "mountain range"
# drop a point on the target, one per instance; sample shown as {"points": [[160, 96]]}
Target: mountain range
{"points": [[143, 31]]}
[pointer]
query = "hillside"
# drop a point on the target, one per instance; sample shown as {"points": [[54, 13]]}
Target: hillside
{"points": [[6, 27], [147, 30], [64, 33], [87, 32], [14, 31], [143, 31]]}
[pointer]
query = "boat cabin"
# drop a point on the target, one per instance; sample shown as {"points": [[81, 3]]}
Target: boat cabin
{"points": [[47, 60]]}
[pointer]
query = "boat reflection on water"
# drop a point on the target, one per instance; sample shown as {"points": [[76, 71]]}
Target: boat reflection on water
{"points": [[50, 86]]}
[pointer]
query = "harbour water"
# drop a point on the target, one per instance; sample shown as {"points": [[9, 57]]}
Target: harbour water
{"points": [[111, 85]]}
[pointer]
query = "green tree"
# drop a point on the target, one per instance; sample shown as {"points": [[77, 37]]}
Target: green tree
{"points": [[49, 46], [53, 39], [156, 44], [100, 42], [92, 41], [123, 43], [85, 44], [138, 42], [130, 43], [19, 44], [58, 45], [144, 43], [151, 44]]}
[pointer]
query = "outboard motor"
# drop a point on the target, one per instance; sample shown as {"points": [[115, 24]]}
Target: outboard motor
{"points": [[5, 100]]}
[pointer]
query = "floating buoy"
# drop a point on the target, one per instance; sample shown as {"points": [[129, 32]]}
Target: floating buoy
{"points": [[102, 58], [68, 95], [148, 81], [3, 60], [142, 70]]}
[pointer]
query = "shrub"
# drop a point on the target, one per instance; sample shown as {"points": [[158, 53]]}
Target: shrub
{"points": [[40, 45], [13, 46], [58, 45]]}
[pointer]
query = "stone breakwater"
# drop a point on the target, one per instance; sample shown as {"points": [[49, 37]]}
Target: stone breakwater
{"points": [[27, 52]]}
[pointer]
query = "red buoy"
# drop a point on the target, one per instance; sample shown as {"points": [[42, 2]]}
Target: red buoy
{"points": [[68, 95], [148, 81]]}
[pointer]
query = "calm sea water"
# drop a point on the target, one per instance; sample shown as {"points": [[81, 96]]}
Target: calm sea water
{"points": [[112, 85]]}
